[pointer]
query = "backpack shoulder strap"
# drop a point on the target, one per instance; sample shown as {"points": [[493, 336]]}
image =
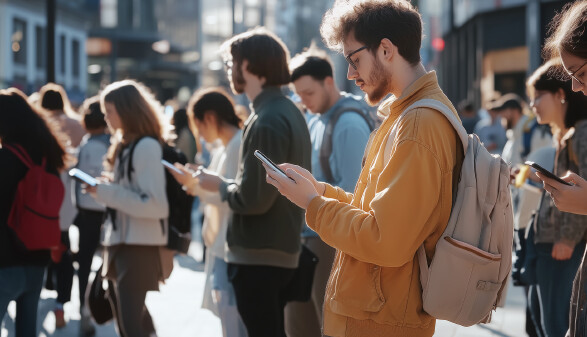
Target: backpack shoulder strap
{"points": [[464, 137], [326, 148], [130, 167], [21, 154], [432, 104]]}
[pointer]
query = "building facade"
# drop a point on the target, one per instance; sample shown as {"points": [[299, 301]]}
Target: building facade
{"points": [[23, 41], [491, 46]]}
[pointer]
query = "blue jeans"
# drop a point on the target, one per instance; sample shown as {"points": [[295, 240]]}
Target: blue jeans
{"points": [[22, 284], [555, 283]]}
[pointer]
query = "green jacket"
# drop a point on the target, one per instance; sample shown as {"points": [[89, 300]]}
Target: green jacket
{"points": [[265, 226]]}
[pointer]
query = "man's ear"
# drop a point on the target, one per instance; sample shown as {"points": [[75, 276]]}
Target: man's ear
{"points": [[210, 118], [328, 81], [387, 49]]}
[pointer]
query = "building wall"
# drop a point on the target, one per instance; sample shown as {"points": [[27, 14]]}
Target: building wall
{"points": [[31, 76], [492, 49]]}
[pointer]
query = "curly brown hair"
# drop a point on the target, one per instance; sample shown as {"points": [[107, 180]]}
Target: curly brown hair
{"points": [[372, 21]]}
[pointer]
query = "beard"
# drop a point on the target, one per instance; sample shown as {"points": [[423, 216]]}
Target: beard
{"points": [[380, 79], [237, 80]]}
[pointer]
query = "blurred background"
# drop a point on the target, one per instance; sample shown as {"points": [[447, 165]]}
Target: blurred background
{"points": [[476, 46]]}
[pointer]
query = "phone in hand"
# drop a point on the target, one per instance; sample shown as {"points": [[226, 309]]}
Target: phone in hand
{"points": [[82, 176], [171, 166], [263, 158], [546, 172]]}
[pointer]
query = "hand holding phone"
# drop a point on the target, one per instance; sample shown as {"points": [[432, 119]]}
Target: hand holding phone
{"points": [[546, 172], [264, 159], [82, 177], [171, 166]]}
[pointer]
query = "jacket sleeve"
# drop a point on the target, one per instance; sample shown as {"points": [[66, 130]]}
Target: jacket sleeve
{"points": [[334, 192], [254, 195], [573, 226], [408, 192], [149, 200]]}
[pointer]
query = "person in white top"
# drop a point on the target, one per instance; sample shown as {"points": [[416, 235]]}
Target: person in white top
{"points": [[135, 232], [212, 115], [90, 213]]}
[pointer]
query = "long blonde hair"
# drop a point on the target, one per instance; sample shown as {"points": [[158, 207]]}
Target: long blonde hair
{"points": [[139, 112]]}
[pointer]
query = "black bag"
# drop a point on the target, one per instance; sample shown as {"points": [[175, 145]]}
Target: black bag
{"points": [[300, 286], [180, 203], [97, 298]]}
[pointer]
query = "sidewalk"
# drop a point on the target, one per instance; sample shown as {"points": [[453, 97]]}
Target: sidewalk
{"points": [[177, 313]]}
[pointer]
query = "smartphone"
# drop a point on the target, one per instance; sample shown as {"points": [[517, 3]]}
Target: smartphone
{"points": [[271, 164], [82, 176], [171, 166], [546, 172]]}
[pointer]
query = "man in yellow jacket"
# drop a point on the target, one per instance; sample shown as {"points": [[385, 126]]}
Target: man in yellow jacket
{"points": [[403, 197]]}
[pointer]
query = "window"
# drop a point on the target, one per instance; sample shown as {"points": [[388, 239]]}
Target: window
{"points": [[62, 53], [18, 41], [41, 47], [75, 58]]}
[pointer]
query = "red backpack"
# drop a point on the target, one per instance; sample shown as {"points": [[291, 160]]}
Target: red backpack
{"points": [[34, 216]]}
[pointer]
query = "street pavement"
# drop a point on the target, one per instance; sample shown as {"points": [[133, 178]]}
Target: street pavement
{"points": [[177, 312]]}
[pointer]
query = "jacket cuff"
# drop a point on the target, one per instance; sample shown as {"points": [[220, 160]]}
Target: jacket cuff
{"points": [[312, 211], [224, 188], [330, 191], [568, 242], [104, 193]]}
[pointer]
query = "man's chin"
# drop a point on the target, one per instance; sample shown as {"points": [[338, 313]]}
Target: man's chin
{"points": [[373, 100]]}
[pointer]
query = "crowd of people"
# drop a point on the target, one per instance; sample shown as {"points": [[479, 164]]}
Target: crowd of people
{"points": [[330, 247]]}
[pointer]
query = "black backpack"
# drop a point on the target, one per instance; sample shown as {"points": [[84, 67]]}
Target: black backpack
{"points": [[180, 203]]}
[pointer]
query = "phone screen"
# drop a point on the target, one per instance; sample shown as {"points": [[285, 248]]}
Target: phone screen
{"points": [[82, 176], [271, 164], [170, 166], [546, 172]]}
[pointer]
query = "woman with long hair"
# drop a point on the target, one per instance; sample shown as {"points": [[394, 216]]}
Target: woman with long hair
{"points": [[569, 42], [211, 114], [135, 231], [22, 271], [559, 237]]}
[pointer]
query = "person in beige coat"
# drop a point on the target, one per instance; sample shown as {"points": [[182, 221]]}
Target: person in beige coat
{"points": [[135, 232]]}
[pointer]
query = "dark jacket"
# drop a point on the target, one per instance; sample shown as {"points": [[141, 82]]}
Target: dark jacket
{"points": [[553, 225], [12, 170], [265, 227], [578, 158]]}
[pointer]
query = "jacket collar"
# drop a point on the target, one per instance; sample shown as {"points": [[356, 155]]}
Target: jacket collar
{"points": [[394, 106], [268, 94]]}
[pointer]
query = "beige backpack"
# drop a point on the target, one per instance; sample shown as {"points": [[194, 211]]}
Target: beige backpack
{"points": [[465, 279]]}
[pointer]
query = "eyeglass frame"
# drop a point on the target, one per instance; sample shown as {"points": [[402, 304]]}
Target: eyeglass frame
{"points": [[576, 71], [348, 57]]}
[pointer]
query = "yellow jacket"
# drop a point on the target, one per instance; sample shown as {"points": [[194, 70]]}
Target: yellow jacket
{"points": [[374, 286]]}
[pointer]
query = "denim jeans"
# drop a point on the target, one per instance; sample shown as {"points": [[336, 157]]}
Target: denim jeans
{"points": [[555, 283], [22, 284]]}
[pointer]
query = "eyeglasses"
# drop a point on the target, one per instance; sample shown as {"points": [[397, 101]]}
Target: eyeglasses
{"points": [[348, 57], [574, 72]]}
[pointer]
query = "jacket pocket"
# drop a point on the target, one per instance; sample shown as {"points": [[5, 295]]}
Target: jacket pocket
{"points": [[358, 286]]}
